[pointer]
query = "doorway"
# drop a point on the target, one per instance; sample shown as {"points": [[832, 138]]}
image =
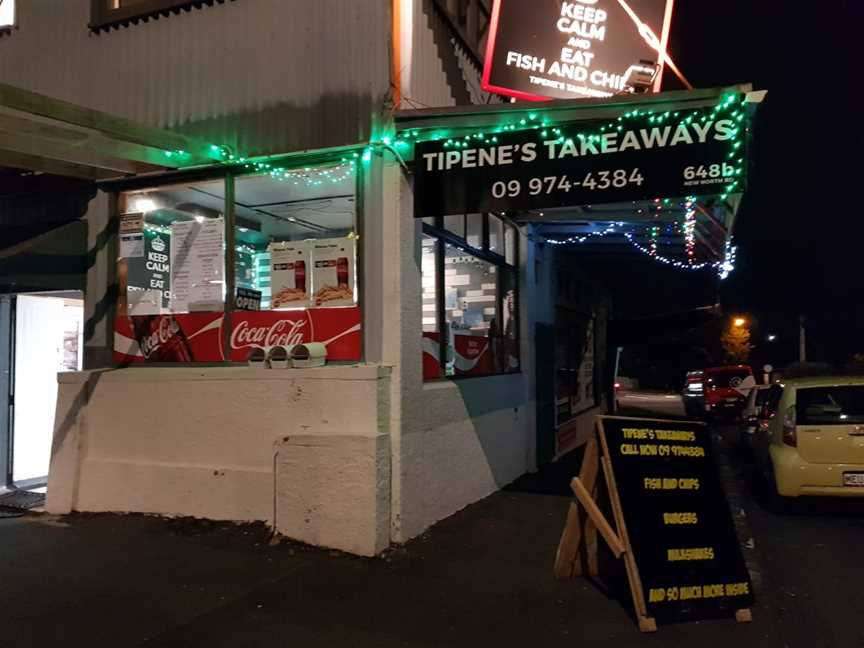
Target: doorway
{"points": [[47, 338]]}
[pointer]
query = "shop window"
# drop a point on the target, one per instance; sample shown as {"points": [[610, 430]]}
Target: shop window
{"points": [[474, 230], [511, 241], [478, 298], [496, 235], [172, 249], [455, 225], [430, 324], [296, 238], [107, 13], [196, 287]]}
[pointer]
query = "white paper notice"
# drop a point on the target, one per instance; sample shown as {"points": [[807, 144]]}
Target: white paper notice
{"points": [[197, 261], [132, 246], [132, 236]]}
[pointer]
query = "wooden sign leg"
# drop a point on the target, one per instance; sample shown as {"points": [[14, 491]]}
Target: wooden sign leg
{"points": [[580, 534], [567, 564], [646, 623]]}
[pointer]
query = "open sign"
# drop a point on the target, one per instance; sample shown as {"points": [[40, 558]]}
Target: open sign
{"points": [[247, 299]]}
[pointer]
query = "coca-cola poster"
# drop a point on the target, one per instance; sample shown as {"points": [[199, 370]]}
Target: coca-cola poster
{"points": [[197, 337]]}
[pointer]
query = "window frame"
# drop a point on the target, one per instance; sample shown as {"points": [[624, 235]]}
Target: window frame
{"points": [[229, 174], [103, 16], [445, 237]]}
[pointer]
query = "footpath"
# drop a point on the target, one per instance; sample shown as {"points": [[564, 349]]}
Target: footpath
{"points": [[480, 578]]}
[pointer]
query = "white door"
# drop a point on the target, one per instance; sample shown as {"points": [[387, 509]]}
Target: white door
{"points": [[48, 332]]}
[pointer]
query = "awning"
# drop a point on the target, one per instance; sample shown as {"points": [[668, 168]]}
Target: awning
{"points": [[46, 135], [688, 227]]}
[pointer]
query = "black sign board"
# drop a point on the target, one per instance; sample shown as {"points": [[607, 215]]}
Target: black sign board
{"points": [[678, 521], [152, 271], [573, 49], [669, 155], [247, 299]]}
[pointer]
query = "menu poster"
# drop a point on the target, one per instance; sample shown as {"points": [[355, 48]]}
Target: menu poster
{"points": [[289, 274], [678, 520], [132, 236], [333, 272], [197, 274]]}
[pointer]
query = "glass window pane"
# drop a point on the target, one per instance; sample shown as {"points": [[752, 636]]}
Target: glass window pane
{"points": [[508, 355], [455, 225], [471, 307], [429, 285], [296, 238], [474, 235], [511, 240], [172, 251], [496, 235]]}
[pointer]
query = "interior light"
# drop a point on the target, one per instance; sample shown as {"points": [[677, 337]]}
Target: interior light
{"points": [[144, 205]]}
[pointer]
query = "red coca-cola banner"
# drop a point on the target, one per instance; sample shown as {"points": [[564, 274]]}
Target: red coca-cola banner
{"points": [[197, 337]]}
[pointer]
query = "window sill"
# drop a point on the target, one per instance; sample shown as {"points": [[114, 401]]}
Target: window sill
{"points": [[168, 373]]}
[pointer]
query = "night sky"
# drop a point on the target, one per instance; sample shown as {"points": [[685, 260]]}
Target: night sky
{"points": [[801, 225]]}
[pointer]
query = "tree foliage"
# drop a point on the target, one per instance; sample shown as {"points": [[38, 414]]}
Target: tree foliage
{"points": [[736, 344]]}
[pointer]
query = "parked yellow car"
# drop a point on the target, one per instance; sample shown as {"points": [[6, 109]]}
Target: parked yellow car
{"points": [[814, 444]]}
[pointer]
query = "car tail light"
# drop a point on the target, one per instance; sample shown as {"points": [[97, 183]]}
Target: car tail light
{"points": [[790, 431]]}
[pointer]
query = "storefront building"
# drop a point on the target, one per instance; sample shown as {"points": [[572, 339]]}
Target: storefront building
{"points": [[311, 204]]}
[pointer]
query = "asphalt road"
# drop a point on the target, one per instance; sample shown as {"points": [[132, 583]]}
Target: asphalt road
{"points": [[810, 562], [657, 404]]}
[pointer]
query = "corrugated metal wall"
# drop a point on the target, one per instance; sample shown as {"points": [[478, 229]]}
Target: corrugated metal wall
{"points": [[442, 72], [264, 76]]}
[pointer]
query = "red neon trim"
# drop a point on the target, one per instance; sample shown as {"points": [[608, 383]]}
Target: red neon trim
{"points": [[490, 45], [664, 43], [487, 64]]}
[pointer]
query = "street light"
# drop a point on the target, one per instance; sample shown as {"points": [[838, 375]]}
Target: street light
{"points": [[738, 322], [772, 337]]}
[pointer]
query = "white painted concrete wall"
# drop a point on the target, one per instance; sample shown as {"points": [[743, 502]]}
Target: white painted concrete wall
{"points": [[217, 442], [454, 442]]}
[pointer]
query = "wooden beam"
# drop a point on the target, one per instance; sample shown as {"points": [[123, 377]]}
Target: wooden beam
{"points": [[75, 154], [616, 546], [87, 140], [54, 167], [109, 125]]}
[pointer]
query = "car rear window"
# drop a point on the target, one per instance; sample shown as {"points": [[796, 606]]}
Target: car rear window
{"points": [[830, 405], [725, 379]]}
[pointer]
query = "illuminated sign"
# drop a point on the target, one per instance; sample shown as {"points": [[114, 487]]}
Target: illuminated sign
{"points": [[567, 50], [702, 153], [7, 13]]}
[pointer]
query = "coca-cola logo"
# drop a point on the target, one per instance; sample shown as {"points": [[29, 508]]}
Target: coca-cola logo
{"points": [[283, 332], [166, 329]]}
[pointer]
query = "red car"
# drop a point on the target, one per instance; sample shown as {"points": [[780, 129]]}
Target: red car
{"points": [[718, 392]]}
